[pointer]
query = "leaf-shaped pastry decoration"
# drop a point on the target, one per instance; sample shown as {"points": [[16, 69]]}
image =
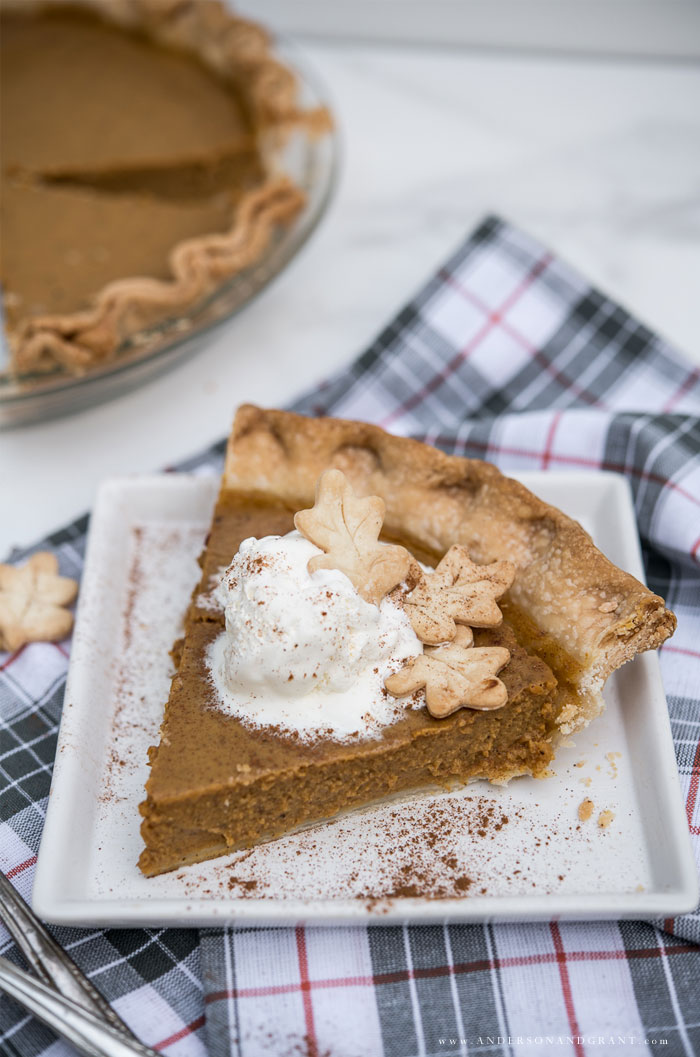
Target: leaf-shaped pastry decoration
{"points": [[458, 592], [347, 529], [454, 676], [32, 598]]}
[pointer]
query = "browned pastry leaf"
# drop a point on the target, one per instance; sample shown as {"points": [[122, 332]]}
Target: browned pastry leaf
{"points": [[347, 529], [32, 598], [458, 592], [458, 675]]}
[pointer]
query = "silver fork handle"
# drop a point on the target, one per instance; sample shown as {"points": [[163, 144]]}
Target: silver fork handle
{"points": [[87, 1033], [49, 961]]}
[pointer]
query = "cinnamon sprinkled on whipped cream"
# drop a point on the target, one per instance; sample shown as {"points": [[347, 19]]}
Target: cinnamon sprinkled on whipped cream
{"points": [[303, 652]]}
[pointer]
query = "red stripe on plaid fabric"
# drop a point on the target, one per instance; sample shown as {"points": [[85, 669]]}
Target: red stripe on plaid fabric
{"points": [[12, 658], [680, 649], [437, 380], [492, 320], [537, 355], [286, 989], [460, 968], [695, 548], [547, 453], [536, 959], [668, 924], [566, 987], [306, 991], [20, 867], [642, 475], [693, 377], [574, 460], [692, 797], [181, 1034]]}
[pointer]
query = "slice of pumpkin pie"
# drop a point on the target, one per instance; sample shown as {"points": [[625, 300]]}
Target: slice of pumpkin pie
{"points": [[374, 618]]}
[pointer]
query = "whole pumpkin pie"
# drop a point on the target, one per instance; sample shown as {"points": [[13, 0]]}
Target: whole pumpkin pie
{"points": [[137, 140], [394, 620]]}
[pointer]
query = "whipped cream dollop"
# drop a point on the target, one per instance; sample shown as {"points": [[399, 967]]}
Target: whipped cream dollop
{"points": [[304, 651]]}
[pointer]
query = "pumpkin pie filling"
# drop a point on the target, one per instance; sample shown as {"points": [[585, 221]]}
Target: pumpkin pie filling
{"points": [[65, 69], [233, 787], [219, 783], [65, 273]]}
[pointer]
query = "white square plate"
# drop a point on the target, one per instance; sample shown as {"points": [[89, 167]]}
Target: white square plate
{"points": [[491, 853]]}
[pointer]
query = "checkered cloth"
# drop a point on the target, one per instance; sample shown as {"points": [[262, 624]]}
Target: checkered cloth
{"points": [[506, 354]]}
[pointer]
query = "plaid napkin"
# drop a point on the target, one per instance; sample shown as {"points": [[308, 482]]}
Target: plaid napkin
{"points": [[509, 355]]}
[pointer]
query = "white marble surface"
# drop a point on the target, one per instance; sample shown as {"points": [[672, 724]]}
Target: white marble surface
{"points": [[600, 159]]}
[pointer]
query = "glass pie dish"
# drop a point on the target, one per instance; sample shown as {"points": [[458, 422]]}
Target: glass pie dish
{"points": [[311, 163]]}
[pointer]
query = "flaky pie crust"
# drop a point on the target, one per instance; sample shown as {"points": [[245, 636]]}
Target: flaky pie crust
{"points": [[598, 615]]}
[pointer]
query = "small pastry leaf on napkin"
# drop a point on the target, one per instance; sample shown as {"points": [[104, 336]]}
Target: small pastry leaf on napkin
{"points": [[32, 598]]}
